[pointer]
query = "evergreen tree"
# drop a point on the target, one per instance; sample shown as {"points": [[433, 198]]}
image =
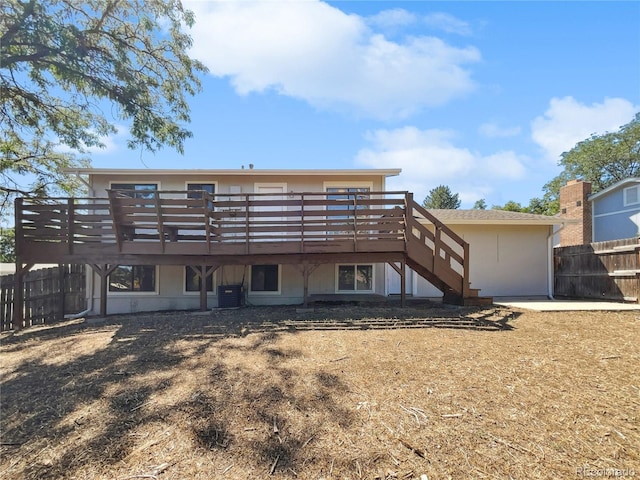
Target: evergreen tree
{"points": [[441, 197]]}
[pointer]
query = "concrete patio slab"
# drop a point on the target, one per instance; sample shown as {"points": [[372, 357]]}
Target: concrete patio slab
{"points": [[544, 304]]}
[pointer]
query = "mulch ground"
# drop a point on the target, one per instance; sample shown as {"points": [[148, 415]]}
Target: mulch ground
{"points": [[341, 392]]}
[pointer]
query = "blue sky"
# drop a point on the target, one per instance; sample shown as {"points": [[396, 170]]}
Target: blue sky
{"points": [[480, 96]]}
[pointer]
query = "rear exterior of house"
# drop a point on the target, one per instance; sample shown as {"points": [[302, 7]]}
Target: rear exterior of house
{"points": [[616, 211], [188, 239], [169, 287]]}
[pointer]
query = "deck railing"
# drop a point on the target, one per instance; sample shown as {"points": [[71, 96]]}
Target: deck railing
{"points": [[198, 223], [165, 216]]}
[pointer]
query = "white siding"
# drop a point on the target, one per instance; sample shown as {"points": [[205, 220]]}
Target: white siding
{"points": [[504, 260]]}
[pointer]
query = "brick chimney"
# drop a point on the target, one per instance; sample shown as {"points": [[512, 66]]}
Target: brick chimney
{"points": [[574, 204]]}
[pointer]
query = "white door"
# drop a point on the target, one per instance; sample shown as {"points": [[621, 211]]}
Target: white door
{"points": [[393, 280], [278, 190]]}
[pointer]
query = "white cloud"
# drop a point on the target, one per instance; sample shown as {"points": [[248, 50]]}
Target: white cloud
{"points": [[448, 23], [508, 165], [315, 52], [110, 143], [492, 130], [429, 158], [567, 122], [396, 17]]}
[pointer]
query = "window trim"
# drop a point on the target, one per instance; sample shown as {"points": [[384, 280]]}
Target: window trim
{"points": [[213, 290], [355, 290], [265, 293], [625, 203], [136, 293]]}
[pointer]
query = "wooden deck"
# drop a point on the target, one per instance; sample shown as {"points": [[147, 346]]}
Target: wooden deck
{"points": [[196, 228]]}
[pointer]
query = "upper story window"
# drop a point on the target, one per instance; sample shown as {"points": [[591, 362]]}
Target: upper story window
{"points": [[139, 190], [631, 195], [349, 195], [194, 191]]}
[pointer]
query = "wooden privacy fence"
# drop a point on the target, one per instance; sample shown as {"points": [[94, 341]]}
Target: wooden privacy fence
{"points": [[603, 270], [49, 294]]}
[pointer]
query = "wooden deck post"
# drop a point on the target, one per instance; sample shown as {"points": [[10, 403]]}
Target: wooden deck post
{"points": [[103, 290], [21, 268], [103, 271], [202, 273], [306, 271], [403, 286], [305, 275]]}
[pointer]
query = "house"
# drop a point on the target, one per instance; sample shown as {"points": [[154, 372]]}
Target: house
{"points": [[275, 237], [616, 211], [610, 214]]}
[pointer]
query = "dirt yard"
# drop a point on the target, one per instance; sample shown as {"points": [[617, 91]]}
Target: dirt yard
{"points": [[343, 392]]}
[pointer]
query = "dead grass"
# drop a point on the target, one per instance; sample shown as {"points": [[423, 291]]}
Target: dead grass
{"points": [[363, 392]]}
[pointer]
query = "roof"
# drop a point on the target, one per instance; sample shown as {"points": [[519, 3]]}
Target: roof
{"points": [[389, 172], [615, 186], [494, 217]]}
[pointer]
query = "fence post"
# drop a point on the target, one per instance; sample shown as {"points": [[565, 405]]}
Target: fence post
{"points": [[62, 275]]}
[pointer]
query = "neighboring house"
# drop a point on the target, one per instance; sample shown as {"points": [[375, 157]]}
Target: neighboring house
{"points": [[610, 214], [277, 237], [616, 211]]}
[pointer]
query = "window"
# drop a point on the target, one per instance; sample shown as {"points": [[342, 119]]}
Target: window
{"points": [[192, 280], [346, 197], [631, 195], [133, 278], [141, 190], [265, 278], [355, 278], [194, 191]]}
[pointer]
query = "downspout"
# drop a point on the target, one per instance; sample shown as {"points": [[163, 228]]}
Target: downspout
{"points": [[84, 313], [550, 269], [91, 286]]}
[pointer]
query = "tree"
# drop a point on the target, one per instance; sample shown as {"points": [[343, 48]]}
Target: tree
{"points": [[601, 159], [536, 205], [480, 204], [540, 206], [441, 197], [7, 245], [65, 64], [510, 206]]}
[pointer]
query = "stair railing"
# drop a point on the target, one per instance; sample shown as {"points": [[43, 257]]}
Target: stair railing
{"points": [[443, 253]]}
